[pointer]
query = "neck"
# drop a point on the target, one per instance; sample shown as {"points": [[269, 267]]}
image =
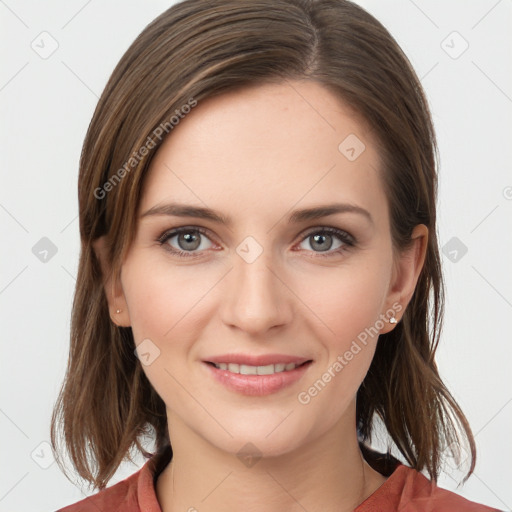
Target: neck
{"points": [[325, 475]]}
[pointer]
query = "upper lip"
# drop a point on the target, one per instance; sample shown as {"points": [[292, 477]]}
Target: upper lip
{"points": [[254, 360]]}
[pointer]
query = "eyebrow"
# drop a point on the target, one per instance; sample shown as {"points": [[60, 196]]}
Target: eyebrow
{"points": [[183, 210]]}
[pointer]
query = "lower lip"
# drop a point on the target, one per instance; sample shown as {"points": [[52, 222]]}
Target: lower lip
{"points": [[257, 385]]}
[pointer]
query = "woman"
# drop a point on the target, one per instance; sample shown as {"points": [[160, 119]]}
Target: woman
{"points": [[260, 281]]}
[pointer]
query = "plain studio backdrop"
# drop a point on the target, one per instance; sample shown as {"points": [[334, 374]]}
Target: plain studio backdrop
{"points": [[56, 59]]}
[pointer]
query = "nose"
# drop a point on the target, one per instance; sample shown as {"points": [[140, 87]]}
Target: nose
{"points": [[256, 299]]}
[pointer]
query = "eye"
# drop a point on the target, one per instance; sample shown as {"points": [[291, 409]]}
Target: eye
{"points": [[327, 240], [185, 241], [190, 241]]}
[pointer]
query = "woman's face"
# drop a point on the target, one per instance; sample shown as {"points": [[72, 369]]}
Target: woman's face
{"points": [[284, 259]]}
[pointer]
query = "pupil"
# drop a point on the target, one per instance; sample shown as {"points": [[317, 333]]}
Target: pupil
{"points": [[319, 239]]}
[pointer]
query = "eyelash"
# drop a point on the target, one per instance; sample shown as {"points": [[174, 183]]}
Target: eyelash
{"points": [[348, 241]]}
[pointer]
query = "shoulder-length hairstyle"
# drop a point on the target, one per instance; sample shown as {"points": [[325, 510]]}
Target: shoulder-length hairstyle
{"points": [[198, 49]]}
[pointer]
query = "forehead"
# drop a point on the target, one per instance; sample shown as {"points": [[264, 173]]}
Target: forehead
{"points": [[265, 147]]}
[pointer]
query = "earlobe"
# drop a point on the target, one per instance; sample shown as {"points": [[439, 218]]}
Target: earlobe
{"points": [[112, 285], [406, 273]]}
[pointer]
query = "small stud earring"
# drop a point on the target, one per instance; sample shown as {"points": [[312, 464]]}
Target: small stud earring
{"points": [[118, 311], [393, 320]]}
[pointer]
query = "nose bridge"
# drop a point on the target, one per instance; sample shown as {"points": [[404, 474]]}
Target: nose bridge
{"points": [[256, 299]]}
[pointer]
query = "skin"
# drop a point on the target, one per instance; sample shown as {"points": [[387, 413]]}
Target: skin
{"points": [[255, 155]]}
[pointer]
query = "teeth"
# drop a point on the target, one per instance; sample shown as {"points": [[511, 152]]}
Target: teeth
{"points": [[265, 370], [249, 370], [245, 369]]}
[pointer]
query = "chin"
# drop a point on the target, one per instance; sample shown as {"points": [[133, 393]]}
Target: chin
{"points": [[267, 437]]}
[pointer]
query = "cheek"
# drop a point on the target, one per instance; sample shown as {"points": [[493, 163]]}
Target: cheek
{"points": [[162, 297], [346, 301], [345, 339], [345, 307], [170, 305], [166, 305]]}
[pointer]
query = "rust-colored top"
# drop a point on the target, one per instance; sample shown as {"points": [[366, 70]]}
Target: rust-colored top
{"points": [[405, 490]]}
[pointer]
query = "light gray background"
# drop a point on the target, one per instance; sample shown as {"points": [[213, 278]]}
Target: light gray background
{"points": [[46, 105]]}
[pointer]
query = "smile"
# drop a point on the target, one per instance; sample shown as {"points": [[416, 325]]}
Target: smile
{"points": [[244, 369], [257, 379]]}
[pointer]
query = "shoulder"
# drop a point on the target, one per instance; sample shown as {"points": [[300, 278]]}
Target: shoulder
{"points": [[133, 494], [121, 496], [408, 490]]}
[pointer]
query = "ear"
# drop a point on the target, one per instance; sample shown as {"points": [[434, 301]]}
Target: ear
{"points": [[406, 272], [112, 286]]}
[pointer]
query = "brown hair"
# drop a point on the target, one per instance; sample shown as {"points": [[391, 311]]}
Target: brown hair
{"points": [[198, 49]]}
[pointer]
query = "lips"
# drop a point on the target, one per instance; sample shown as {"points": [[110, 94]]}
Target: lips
{"points": [[257, 375]]}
